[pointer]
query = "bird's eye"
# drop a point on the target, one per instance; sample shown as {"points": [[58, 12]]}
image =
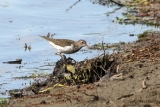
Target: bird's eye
{"points": [[82, 42]]}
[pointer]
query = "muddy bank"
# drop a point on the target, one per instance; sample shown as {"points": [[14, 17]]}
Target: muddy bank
{"points": [[135, 82]]}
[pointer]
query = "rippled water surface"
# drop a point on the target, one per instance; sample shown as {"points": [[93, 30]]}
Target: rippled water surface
{"points": [[22, 22]]}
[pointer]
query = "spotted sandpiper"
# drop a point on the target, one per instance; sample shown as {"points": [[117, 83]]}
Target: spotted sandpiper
{"points": [[66, 46]]}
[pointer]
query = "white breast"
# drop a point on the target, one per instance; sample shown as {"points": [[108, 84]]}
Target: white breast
{"points": [[62, 49]]}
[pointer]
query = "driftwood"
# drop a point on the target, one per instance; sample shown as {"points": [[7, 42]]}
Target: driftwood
{"points": [[18, 61]]}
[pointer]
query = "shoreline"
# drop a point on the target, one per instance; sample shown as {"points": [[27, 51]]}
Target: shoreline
{"points": [[139, 65]]}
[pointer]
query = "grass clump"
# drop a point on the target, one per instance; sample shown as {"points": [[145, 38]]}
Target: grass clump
{"points": [[144, 34], [3, 102]]}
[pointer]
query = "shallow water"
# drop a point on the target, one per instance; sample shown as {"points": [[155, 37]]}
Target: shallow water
{"points": [[22, 22]]}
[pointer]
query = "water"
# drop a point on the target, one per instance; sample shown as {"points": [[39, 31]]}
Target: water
{"points": [[22, 22]]}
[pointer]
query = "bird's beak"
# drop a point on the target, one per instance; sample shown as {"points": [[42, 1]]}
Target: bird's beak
{"points": [[88, 47]]}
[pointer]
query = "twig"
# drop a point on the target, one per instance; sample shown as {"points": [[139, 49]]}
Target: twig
{"points": [[96, 97], [25, 46], [103, 48], [96, 73], [125, 96], [116, 2], [106, 71], [144, 84], [72, 5], [118, 76], [69, 98], [117, 70]]}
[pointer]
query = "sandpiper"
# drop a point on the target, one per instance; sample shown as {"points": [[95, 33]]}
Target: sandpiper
{"points": [[66, 46]]}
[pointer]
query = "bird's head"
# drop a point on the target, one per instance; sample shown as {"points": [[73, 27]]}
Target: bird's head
{"points": [[81, 43]]}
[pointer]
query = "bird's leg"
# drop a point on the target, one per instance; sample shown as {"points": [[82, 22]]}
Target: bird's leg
{"points": [[58, 53], [62, 55]]}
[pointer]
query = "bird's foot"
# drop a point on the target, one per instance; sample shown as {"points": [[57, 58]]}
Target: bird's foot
{"points": [[62, 55]]}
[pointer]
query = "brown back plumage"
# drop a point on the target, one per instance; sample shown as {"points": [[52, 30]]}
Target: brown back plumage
{"points": [[59, 42]]}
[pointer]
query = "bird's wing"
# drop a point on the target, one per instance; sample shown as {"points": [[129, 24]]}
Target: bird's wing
{"points": [[59, 42]]}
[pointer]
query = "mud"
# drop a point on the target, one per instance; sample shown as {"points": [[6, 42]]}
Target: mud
{"points": [[135, 83]]}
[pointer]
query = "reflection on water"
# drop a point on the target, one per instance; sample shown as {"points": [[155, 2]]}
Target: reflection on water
{"points": [[22, 22]]}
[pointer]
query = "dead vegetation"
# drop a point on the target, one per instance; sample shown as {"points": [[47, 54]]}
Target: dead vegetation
{"points": [[69, 72], [145, 48], [142, 12]]}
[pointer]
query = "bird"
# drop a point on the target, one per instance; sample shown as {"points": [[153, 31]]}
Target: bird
{"points": [[66, 46]]}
